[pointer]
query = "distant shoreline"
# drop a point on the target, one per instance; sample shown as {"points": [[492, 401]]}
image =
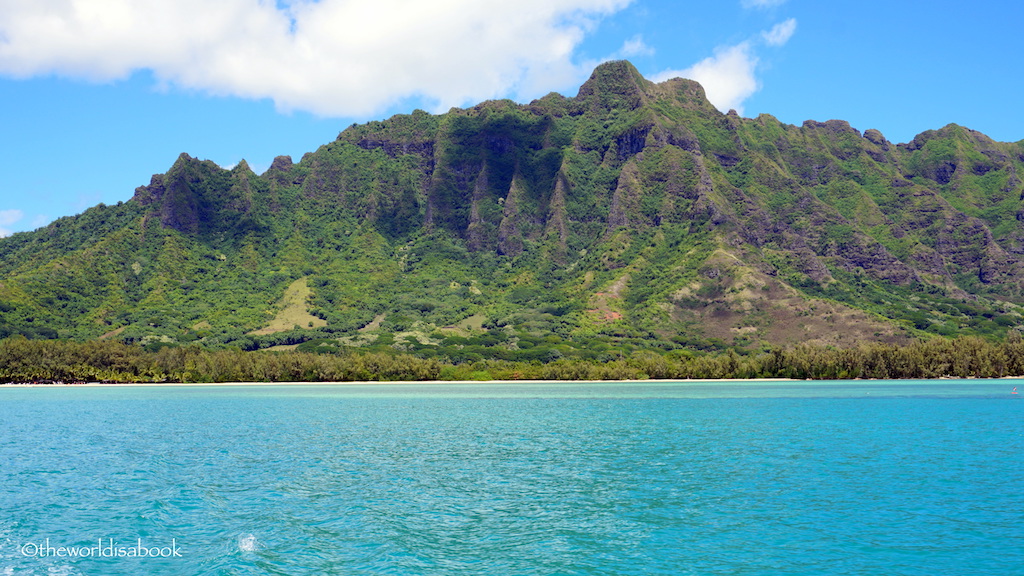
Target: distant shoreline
{"points": [[387, 382], [485, 382]]}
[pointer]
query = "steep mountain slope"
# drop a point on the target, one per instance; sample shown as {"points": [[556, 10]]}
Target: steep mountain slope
{"points": [[632, 215]]}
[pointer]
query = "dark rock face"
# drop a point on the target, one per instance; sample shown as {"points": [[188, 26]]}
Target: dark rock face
{"points": [[281, 164], [173, 198], [632, 142], [395, 149], [152, 193], [876, 137], [179, 208]]}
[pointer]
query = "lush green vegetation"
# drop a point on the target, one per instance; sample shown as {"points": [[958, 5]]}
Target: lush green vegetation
{"points": [[631, 219], [23, 360]]}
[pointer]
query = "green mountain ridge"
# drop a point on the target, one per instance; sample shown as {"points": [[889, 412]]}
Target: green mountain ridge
{"points": [[631, 216]]}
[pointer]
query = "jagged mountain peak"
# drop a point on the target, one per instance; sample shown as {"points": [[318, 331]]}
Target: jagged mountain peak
{"points": [[242, 168], [615, 84]]}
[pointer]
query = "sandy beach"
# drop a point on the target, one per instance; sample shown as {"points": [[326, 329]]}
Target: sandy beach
{"points": [[736, 381], [388, 382]]}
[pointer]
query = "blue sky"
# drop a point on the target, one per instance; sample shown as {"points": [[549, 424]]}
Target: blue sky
{"points": [[98, 95]]}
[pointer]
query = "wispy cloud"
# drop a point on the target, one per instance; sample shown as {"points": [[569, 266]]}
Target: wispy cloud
{"points": [[729, 77], [330, 57], [7, 218], [635, 46], [780, 33]]}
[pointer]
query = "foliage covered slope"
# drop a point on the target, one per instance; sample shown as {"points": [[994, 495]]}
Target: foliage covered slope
{"points": [[633, 215]]}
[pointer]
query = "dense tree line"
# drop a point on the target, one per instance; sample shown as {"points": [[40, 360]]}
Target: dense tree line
{"points": [[23, 360]]}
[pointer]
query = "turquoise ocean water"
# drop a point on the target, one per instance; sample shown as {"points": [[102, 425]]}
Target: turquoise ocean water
{"points": [[900, 478]]}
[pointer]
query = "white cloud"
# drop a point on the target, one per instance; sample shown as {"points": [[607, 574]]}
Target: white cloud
{"points": [[331, 57], [780, 33], [8, 217], [729, 77], [635, 46]]}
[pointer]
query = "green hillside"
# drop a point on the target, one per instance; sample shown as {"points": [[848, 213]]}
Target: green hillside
{"points": [[632, 216]]}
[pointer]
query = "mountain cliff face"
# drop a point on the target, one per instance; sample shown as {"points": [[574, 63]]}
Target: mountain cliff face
{"points": [[631, 215]]}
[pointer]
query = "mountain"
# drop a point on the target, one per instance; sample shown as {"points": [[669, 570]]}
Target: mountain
{"points": [[631, 216]]}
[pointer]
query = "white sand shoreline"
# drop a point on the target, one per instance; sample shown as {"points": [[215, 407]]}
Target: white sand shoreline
{"points": [[385, 383], [739, 381]]}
